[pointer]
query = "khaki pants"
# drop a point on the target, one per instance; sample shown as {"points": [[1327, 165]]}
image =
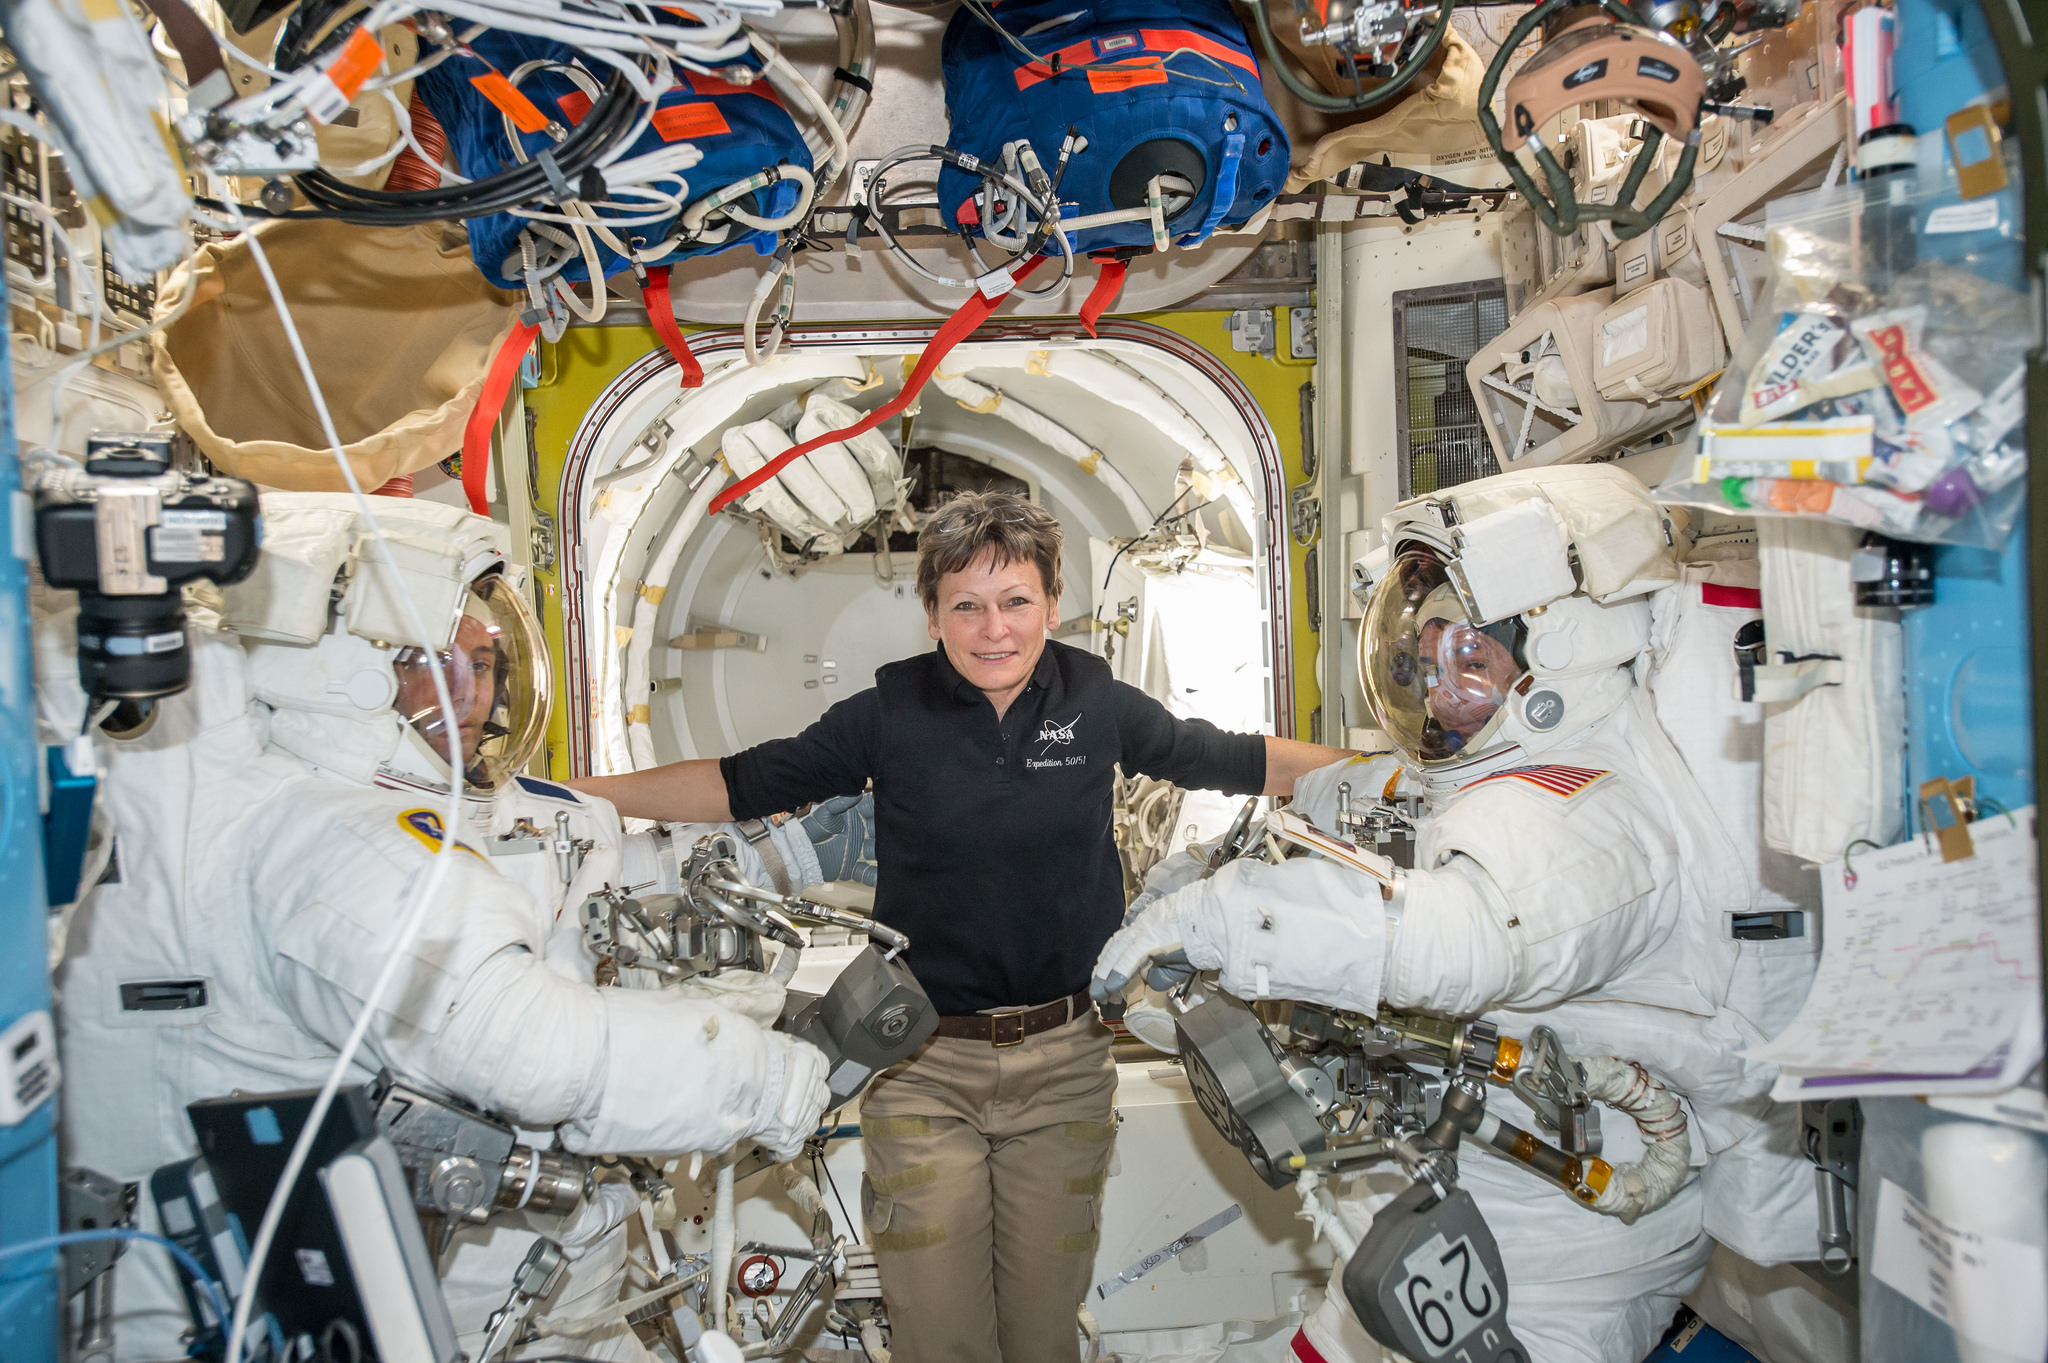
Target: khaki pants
{"points": [[983, 1193]]}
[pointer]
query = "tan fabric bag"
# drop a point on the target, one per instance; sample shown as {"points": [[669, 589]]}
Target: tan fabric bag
{"points": [[398, 323], [1439, 119]]}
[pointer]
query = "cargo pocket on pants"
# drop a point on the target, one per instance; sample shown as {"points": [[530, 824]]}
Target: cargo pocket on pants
{"points": [[1085, 1240], [883, 1219]]}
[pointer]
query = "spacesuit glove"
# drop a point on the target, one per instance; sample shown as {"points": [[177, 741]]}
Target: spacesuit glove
{"points": [[1149, 1017], [1156, 941], [799, 1103], [842, 835], [1172, 871], [1315, 795]]}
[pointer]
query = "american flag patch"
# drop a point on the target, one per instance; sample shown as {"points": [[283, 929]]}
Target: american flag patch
{"points": [[1563, 782]]}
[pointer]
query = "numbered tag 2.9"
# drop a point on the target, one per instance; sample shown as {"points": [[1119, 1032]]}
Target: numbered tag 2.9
{"points": [[1427, 1280]]}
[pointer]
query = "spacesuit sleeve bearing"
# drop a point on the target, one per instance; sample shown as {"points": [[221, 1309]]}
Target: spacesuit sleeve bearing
{"points": [[1453, 952]]}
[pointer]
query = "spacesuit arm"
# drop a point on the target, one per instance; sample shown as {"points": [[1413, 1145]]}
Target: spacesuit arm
{"points": [[1531, 901], [653, 862], [620, 1071], [1308, 929]]}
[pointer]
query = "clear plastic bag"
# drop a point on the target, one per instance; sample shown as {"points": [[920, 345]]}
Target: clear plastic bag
{"points": [[1881, 381]]}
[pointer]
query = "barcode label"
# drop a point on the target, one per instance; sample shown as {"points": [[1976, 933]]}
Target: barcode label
{"points": [[190, 537]]}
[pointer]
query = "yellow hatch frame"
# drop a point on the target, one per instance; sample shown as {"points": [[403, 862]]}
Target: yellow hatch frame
{"points": [[575, 371]]}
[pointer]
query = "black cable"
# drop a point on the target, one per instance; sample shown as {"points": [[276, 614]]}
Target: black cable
{"points": [[819, 1161], [1157, 521], [609, 121], [1345, 104]]}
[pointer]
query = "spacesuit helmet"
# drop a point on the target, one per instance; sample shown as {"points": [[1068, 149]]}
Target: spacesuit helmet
{"points": [[499, 686], [1436, 680], [341, 661], [1503, 613]]}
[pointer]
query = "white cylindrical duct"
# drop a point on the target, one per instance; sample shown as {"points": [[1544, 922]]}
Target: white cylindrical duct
{"points": [[977, 397]]}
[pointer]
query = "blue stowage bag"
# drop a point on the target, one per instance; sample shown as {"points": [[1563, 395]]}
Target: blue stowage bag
{"points": [[1154, 86], [739, 130]]}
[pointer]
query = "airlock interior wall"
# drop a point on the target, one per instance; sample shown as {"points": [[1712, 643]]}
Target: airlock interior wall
{"points": [[601, 381]]}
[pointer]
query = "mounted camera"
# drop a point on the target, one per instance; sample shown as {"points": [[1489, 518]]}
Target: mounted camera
{"points": [[127, 532]]}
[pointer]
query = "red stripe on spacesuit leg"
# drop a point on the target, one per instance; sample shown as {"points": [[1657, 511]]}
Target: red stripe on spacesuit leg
{"points": [[1305, 1351], [1746, 598]]}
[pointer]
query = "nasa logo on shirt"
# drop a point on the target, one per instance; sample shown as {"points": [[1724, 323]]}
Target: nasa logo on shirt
{"points": [[1051, 736]]}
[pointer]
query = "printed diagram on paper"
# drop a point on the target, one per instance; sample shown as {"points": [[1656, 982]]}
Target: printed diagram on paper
{"points": [[1930, 972]]}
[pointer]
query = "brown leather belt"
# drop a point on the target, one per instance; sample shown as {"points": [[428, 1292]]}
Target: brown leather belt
{"points": [[1010, 1029]]}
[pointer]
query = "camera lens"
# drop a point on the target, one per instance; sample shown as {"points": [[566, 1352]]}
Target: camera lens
{"points": [[132, 647]]}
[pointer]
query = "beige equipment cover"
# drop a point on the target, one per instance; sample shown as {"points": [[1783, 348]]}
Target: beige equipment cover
{"points": [[1438, 118], [398, 324]]}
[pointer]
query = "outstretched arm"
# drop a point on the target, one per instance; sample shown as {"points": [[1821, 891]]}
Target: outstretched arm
{"points": [[1287, 759], [680, 792]]}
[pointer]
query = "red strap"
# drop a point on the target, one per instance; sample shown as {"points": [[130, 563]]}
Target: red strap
{"points": [[661, 311], [1108, 286], [957, 328], [476, 436]]}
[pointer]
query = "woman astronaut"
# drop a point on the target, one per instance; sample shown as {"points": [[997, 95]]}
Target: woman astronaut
{"points": [[271, 826], [1568, 872]]}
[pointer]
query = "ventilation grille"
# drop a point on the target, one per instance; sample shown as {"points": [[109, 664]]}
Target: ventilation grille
{"points": [[1442, 440]]}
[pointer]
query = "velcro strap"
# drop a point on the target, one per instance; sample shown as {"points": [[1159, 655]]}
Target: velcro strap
{"points": [[1779, 682], [661, 313], [758, 833], [1108, 286], [476, 433]]}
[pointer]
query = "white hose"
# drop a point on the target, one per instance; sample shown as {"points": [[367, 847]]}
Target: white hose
{"points": [[977, 397], [778, 70], [1321, 1215], [871, 1340], [722, 1240], [1650, 1182], [801, 1189]]}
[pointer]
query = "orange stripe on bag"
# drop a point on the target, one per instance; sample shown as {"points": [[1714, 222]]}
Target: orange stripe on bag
{"points": [[1170, 39], [510, 102], [573, 104], [1109, 82], [680, 121], [359, 58]]}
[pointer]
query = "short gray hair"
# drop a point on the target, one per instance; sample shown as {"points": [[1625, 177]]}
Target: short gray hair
{"points": [[1007, 524]]}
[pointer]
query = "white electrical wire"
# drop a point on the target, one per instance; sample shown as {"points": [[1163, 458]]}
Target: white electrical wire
{"points": [[428, 888], [775, 65]]}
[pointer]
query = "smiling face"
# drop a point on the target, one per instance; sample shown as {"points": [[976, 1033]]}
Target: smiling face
{"points": [[992, 619]]}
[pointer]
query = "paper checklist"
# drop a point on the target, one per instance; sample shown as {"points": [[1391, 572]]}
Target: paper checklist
{"points": [[1930, 973]]}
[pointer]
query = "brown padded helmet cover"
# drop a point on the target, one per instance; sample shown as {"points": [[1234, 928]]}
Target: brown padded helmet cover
{"points": [[1642, 68]]}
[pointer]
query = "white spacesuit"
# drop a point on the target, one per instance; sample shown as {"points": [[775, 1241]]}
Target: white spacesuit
{"points": [[1568, 872], [263, 874]]}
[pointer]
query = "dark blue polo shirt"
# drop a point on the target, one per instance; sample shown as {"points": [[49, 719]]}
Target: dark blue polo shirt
{"points": [[997, 856]]}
